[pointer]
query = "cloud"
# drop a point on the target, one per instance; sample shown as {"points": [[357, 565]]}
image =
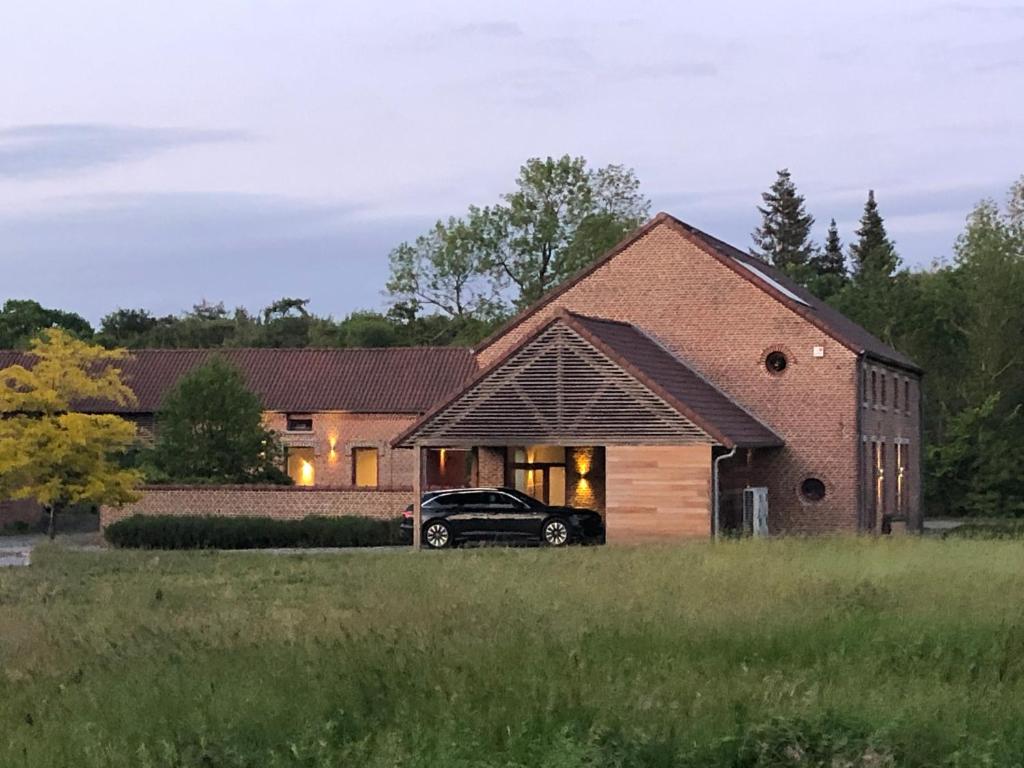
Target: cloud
{"points": [[167, 251], [1003, 10], [33, 151], [489, 29]]}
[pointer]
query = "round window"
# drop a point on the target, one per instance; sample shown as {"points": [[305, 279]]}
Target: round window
{"points": [[776, 362], [812, 489]]}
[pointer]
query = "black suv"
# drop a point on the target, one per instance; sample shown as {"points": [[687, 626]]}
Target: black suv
{"points": [[500, 514]]}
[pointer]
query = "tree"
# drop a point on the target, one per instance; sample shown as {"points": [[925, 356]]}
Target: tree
{"points": [[873, 294], [561, 217], [21, 320], [210, 430], [784, 237], [131, 328], [828, 266], [49, 451], [873, 255], [445, 270]]}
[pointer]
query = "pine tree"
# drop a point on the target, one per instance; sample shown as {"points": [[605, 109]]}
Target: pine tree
{"points": [[829, 266], [872, 297], [783, 239], [873, 255]]}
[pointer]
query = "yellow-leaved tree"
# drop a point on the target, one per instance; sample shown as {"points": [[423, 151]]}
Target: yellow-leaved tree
{"points": [[49, 451]]}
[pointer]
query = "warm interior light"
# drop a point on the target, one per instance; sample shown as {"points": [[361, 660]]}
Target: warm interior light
{"points": [[305, 473], [442, 456]]}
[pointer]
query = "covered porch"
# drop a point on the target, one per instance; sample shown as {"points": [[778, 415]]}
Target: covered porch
{"points": [[591, 413]]}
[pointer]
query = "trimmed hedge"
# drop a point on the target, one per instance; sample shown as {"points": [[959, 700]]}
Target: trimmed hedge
{"points": [[213, 532], [1003, 529]]}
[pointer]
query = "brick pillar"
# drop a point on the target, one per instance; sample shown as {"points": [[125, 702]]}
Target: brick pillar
{"points": [[491, 466]]}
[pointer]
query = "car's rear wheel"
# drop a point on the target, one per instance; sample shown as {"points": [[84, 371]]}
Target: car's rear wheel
{"points": [[555, 532], [437, 534]]}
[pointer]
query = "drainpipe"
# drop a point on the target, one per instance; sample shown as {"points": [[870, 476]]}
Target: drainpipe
{"points": [[715, 500]]}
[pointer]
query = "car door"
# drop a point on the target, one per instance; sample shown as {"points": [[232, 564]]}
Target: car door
{"points": [[518, 519], [469, 517]]}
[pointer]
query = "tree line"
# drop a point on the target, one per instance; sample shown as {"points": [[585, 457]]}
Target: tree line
{"points": [[960, 319]]}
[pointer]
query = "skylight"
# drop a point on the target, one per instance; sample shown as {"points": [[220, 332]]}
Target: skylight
{"points": [[773, 283]]}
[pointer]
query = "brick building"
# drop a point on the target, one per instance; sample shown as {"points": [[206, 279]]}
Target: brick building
{"points": [[656, 386]]}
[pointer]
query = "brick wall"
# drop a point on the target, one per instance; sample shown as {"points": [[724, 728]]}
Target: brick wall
{"points": [[281, 502], [20, 511], [334, 436], [491, 469], [657, 493], [891, 416], [724, 326]]}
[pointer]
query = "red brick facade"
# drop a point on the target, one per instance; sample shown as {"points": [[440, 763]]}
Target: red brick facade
{"points": [[724, 325], [335, 435]]}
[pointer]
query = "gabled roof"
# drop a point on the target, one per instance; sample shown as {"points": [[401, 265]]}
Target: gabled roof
{"points": [[388, 380], [676, 382], [764, 276], [629, 354]]}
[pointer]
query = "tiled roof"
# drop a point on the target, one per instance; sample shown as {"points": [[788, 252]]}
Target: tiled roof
{"points": [[388, 380], [839, 324], [771, 280], [682, 387], [646, 361]]}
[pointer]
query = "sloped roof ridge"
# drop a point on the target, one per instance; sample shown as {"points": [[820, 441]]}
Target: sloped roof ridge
{"points": [[695, 371]]}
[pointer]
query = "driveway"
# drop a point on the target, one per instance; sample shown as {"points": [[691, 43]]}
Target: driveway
{"points": [[17, 550]]}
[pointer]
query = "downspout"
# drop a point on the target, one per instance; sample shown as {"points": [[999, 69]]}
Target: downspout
{"points": [[715, 494]]}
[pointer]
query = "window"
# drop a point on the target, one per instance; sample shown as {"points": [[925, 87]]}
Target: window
{"points": [[878, 449], [812, 489], [301, 465], [884, 388], [299, 423], [776, 362], [895, 393], [364, 467], [539, 471], [906, 394], [874, 387], [901, 482], [864, 386]]}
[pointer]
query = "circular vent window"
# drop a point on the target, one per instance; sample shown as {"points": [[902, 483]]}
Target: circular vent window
{"points": [[776, 362], [812, 489]]}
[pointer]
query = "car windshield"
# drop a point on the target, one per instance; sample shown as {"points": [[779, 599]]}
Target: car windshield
{"points": [[529, 501]]}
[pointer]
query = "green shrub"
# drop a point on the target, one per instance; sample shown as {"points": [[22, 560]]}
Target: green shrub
{"points": [[1008, 529], [212, 532]]}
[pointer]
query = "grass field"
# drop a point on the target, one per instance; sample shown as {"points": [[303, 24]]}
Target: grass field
{"points": [[828, 652]]}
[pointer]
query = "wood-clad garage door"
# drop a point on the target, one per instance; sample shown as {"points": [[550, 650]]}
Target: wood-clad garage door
{"points": [[658, 492]]}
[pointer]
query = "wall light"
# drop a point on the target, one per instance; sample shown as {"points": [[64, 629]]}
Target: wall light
{"points": [[332, 455], [584, 460]]}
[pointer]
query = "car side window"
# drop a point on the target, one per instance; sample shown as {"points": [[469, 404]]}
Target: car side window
{"points": [[504, 501], [469, 499]]}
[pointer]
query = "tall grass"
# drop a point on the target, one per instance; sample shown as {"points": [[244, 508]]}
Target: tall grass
{"points": [[820, 652]]}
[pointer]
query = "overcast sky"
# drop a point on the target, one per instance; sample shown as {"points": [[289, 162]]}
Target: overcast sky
{"points": [[155, 154]]}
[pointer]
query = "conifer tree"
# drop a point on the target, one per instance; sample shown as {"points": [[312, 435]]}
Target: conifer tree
{"points": [[783, 239], [829, 266], [873, 255]]}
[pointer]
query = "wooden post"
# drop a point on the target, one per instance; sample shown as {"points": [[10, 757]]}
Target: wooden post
{"points": [[417, 496]]}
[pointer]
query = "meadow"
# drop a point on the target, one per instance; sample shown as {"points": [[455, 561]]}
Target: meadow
{"points": [[829, 652]]}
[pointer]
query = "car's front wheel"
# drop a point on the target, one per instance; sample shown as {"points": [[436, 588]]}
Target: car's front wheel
{"points": [[555, 532], [437, 534]]}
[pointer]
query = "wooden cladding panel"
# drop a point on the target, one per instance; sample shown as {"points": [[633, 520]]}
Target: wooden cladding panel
{"points": [[657, 492], [559, 389]]}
